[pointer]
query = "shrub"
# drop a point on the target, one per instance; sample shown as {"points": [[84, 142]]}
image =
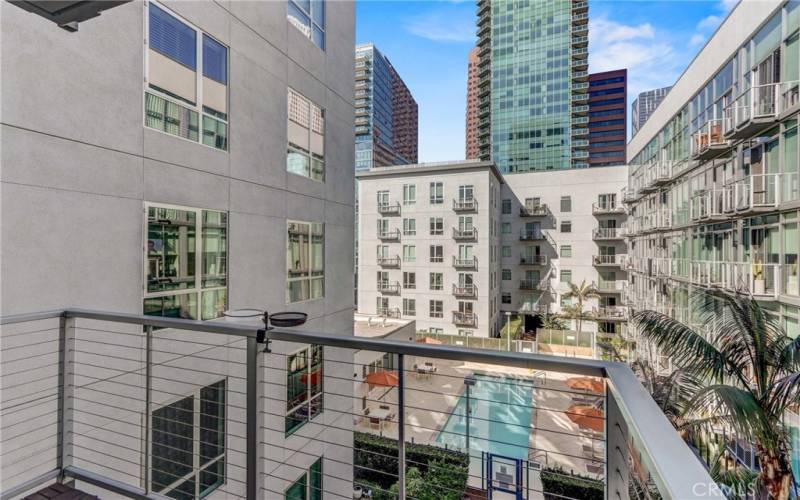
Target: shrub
{"points": [[558, 484]]}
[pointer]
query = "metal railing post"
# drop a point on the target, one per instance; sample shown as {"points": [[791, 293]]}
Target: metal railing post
{"points": [[66, 358], [401, 428], [148, 380], [252, 418]]}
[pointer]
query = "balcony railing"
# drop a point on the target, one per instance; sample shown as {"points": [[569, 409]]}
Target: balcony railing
{"points": [[533, 210], [609, 260], [611, 286], [465, 319], [756, 278], [388, 286], [470, 262], [528, 235], [465, 234], [389, 261], [754, 109], [465, 205], [533, 260], [610, 313], [389, 208], [465, 290], [388, 312], [105, 399], [607, 207], [708, 140], [606, 233], [391, 234], [540, 285]]}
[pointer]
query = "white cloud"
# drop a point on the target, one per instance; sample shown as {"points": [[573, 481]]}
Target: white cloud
{"points": [[443, 25], [602, 30], [709, 23], [697, 39]]}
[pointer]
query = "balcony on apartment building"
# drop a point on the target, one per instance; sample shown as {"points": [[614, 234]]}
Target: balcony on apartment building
{"points": [[388, 312], [465, 262], [389, 208], [534, 210], [757, 108], [580, 6], [461, 318], [610, 313], [389, 234], [385, 286], [606, 234], [532, 235], [607, 207], [469, 233], [465, 205], [611, 286], [533, 260], [617, 260], [389, 261], [541, 285], [121, 401], [465, 290], [708, 141]]}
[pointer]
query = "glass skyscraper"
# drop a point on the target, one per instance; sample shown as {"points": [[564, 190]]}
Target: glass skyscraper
{"points": [[533, 84]]}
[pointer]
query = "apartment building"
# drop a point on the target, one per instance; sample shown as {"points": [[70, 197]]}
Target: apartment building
{"points": [[471, 116], [194, 158], [428, 235], [712, 189], [608, 102], [644, 105], [455, 243], [532, 84]]}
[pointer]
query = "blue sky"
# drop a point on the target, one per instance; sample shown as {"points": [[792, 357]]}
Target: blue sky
{"points": [[428, 42]]}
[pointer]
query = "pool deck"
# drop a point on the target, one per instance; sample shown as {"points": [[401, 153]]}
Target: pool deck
{"points": [[554, 439]]}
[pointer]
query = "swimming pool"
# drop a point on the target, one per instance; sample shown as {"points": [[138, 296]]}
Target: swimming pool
{"points": [[500, 419]]}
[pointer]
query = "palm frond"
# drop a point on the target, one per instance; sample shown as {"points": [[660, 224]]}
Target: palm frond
{"points": [[746, 415], [783, 393], [686, 347], [738, 479]]}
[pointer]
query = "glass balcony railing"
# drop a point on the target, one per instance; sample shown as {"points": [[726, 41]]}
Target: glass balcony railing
{"points": [[389, 261], [146, 406], [469, 233], [388, 286], [388, 208]]}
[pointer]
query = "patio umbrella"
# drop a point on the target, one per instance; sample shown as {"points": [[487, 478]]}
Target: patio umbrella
{"points": [[383, 379], [587, 417], [586, 384], [429, 340]]}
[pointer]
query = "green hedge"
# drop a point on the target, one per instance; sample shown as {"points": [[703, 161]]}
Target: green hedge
{"points": [[556, 481], [375, 459]]}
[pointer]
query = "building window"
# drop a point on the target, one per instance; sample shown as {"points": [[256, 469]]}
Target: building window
{"points": [[409, 227], [179, 242], [305, 261], [308, 486], [437, 193], [409, 280], [436, 309], [436, 281], [566, 204], [466, 192], [566, 276], [409, 194], [505, 228], [409, 307], [303, 387], [566, 301], [506, 251], [306, 132], [178, 101], [566, 251], [188, 444], [309, 17], [506, 274], [505, 298], [566, 226], [436, 331], [506, 206], [409, 253], [437, 253], [437, 226]]}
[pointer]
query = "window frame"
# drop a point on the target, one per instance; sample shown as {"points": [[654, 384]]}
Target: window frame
{"points": [[409, 226], [409, 311], [197, 106], [311, 21], [198, 258], [309, 155], [310, 278], [409, 280], [565, 226], [436, 259], [436, 226], [432, 285], [310, 397], [436, 192], [568, 200], [435, 308], [564, 250], [408, 191], [407, 257], [306, 480]]}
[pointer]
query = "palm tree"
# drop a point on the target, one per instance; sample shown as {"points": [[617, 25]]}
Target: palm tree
{"points": [[581, 294], [748, 369]]}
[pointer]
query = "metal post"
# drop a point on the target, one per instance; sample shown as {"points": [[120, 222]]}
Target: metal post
{"points": [[467, 417], [401, 428], [252, 418], [66, 358], [148, 380]]}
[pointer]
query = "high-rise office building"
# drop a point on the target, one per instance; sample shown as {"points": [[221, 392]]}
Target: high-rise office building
{"points": [[533, 82], [386, 112], [644, 105], [608, 93], [471, 135]]}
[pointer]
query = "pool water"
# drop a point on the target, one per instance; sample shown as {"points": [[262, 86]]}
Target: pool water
{"points": [[499, 421]]}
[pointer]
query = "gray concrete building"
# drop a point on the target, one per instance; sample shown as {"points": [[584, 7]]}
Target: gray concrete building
{"points": [[644, 105], [458, 244], [184, 159]]}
